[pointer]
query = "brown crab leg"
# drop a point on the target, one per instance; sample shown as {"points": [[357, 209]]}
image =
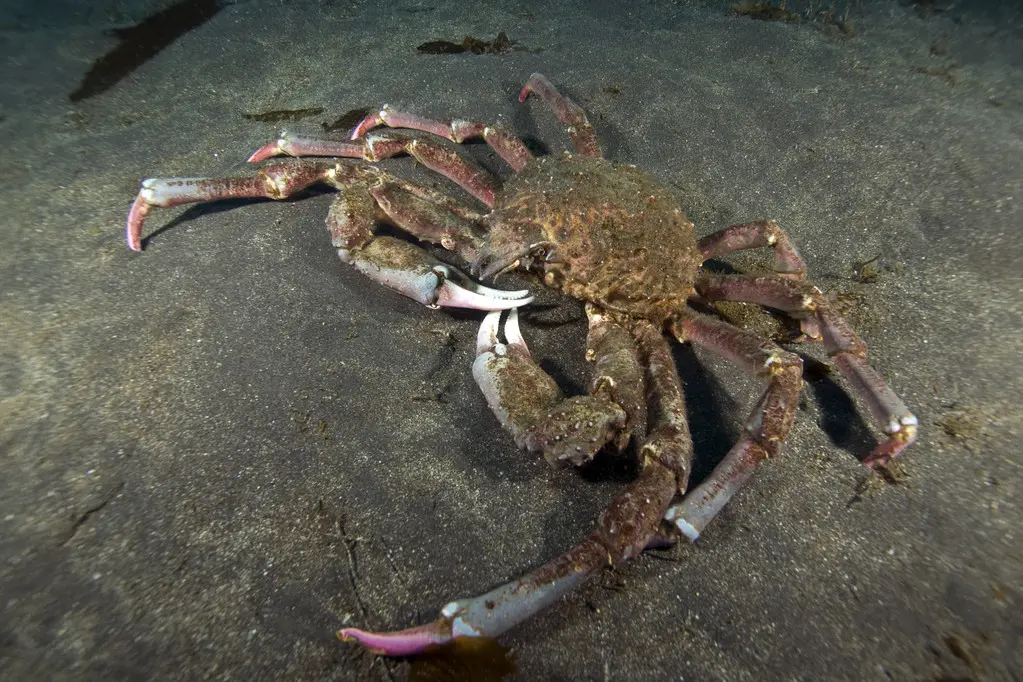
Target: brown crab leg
{"points": [[629, 524], [669, 440], [566, 111], [508, 146], [843, 346], [529, 404], [618, 374], [787, 260], [765, 429], [406, 268]]}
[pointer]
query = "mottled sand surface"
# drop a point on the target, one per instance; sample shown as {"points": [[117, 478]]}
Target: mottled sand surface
{"points": [[220, 450]]}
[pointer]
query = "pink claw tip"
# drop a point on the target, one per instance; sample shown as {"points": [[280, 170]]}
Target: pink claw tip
{"points": [[884, 453], [133, 229], [265, 152], [365, 125], [403, 643], [524, 93]]}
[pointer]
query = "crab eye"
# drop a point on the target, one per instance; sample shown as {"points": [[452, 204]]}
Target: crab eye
{"points": [[543, 251]]}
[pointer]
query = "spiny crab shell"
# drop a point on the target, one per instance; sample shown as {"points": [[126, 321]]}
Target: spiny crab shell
{"points": [[601, 232]]}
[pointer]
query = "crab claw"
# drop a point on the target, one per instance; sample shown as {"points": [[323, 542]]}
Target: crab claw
{"points": [[412, 272], [476, 296], [488, 337]]}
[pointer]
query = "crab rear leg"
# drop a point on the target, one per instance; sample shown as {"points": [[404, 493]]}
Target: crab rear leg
{"points": [[568, 112], [766, 428], [787, 261], [842, 344]]}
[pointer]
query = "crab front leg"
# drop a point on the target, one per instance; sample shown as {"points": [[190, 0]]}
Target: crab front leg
{"points": [[626, 527], [379, 146], [274, 181], [529, 404]]}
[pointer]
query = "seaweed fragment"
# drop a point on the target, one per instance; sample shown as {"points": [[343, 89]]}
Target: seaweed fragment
{"points": [[346, 121], [946, 73], [499, 45], [142, 42], [764, 11], [279, 115]]}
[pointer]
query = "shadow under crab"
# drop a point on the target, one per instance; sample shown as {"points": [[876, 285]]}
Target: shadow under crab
{"points": [[608, 235]]}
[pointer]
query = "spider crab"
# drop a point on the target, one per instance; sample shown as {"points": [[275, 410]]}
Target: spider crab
{"points": [[603, 233]]}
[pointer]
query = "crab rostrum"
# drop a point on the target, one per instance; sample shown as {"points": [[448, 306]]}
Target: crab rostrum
{"points": [[608, 235]]}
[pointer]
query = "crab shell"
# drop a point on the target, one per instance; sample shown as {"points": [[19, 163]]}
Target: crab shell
{"points": [[600, 232]]}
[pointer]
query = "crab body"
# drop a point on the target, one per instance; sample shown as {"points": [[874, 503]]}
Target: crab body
{"points": [[610, 236], [604, 233]]}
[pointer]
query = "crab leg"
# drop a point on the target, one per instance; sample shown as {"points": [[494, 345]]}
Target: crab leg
{"points": [[508, 146], [766, 428], [787, 260], [567, 111], [276, 181], [626, 527], [434, 156], [843, 346], [618, 374], [668, 439], [392, 262]]}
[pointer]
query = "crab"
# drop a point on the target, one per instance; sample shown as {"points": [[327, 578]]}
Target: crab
{"points": [[603, 233]]}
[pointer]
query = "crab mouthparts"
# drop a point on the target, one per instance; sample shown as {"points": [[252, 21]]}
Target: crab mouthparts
{"points": [[494, 264], [498, 267]]}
